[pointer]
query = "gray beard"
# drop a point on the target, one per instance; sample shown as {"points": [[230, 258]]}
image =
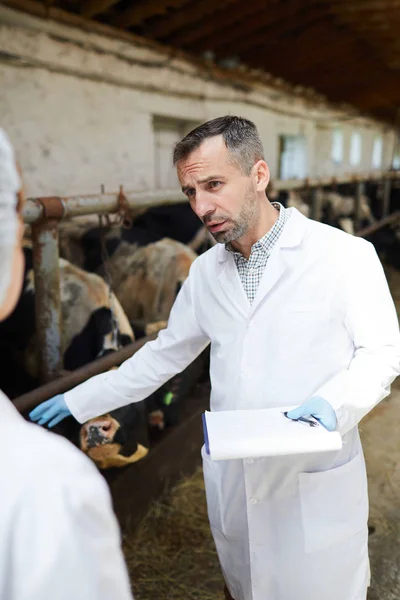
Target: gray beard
{"points": [[237, 231], [240, 227]]}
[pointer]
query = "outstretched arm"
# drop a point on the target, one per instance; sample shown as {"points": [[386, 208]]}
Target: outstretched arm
{"points": [[139, 376]]}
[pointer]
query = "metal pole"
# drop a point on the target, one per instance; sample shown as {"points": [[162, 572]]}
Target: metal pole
{"points": [[387, 185], [74, 206], [316, 203], [357, 205], [47, 298], [67, 382]]}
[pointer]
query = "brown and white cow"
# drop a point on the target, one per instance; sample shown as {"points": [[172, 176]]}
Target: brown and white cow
{"points": [[147, 281]]}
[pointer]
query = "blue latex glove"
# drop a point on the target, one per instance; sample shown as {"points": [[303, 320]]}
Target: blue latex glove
{"points": [[51, 411], [319, 408]]}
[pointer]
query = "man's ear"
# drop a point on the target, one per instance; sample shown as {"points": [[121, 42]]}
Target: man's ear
{"points": [[262, 175]]}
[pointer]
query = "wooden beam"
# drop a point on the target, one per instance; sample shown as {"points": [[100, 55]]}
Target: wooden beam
{"points": [[355, 84], [369, 89], [337, 55], [293, 52], [184, 18], [371, 23], [364, 7], [336, 45], [246, 27], [385, 92], [38, 9], [140, 11], [228, 15], [340, 87], [327, 75], [316, 65], [273, 34], [91, 8]]}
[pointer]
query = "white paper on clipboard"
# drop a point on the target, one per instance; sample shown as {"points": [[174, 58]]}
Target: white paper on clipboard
{"points": [[264, 432]]}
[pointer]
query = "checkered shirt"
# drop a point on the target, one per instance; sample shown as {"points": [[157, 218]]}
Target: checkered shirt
{"points": [[251, 269]]}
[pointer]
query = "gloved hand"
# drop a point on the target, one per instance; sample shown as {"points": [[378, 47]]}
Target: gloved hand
{"points": [[51, 411], [319, 408]]}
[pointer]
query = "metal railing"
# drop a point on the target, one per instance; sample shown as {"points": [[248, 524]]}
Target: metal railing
{"points": [[44, 215]]}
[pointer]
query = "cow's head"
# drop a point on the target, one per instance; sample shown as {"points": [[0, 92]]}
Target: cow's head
{"points": [[116, 439]]}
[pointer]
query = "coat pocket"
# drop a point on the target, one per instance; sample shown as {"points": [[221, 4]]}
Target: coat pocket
{"points": [[212, 482], [334, 504]]}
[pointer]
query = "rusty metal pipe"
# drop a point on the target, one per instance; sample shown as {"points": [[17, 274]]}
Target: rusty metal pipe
{"points": [[75, 206], [47, 297], [109, 203], [28, 401], [295, 184]]}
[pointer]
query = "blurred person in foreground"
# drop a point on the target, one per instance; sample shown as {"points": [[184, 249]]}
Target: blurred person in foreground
{"points": [[59, 539], [298, 314]]}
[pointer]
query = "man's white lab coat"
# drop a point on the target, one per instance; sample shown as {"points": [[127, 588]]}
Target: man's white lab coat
{"points": [[59, 539], [322, 323]]}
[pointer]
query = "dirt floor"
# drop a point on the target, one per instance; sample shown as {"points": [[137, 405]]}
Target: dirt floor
{"points": [[172, 556], [381, 440]]}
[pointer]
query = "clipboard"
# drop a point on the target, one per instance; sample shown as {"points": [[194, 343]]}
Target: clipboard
{"points": [[239, 434]]}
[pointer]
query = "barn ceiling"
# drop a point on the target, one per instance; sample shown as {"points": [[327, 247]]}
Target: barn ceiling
{"points": [[348, 50]]}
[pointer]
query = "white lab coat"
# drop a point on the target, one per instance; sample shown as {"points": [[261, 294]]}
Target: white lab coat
{"points": [[322, 323], [59, 539]]}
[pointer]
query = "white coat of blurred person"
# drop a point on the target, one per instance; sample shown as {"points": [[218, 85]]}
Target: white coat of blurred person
{"points": [[59, 539]]}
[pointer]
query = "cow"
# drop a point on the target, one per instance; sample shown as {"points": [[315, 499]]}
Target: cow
{"points": [[340, 211], [290, 198], [114, 440], [94, 324], [109, 440], [147, 281], [85, 242]]}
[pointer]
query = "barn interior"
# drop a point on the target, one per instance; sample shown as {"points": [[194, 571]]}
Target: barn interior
{"points": [[94, 96]]}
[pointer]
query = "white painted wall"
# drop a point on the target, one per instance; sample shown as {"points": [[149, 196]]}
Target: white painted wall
{"points": [[80, 108]]}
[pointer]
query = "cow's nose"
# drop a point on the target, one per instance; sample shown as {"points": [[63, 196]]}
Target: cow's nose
{"points": [[106, 426], [98, 432], [99, 424]]}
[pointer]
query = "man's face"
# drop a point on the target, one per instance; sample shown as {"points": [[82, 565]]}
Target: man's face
{"points": [[220, 194]]}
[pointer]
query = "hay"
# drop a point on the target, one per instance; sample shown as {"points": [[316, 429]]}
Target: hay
{"points": [[172, 555]]}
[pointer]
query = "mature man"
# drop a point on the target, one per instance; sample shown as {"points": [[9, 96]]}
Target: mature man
{"points": [[297, 313]]}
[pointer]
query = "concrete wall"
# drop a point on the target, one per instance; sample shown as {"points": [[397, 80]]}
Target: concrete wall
{"points": [[84, 110]]}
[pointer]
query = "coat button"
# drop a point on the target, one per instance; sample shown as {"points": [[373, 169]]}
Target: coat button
{"points": [[253, 500]]}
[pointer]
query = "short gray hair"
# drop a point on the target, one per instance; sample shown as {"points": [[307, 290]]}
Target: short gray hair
{"points": [[240, 136]]}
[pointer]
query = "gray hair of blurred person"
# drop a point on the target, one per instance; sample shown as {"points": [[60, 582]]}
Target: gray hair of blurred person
{"points": [[9, 187], [240, 136]]}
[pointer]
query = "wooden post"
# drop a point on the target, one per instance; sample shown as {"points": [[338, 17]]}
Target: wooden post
{"points": [[357, 204], [387, 185], [316, 203]]}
